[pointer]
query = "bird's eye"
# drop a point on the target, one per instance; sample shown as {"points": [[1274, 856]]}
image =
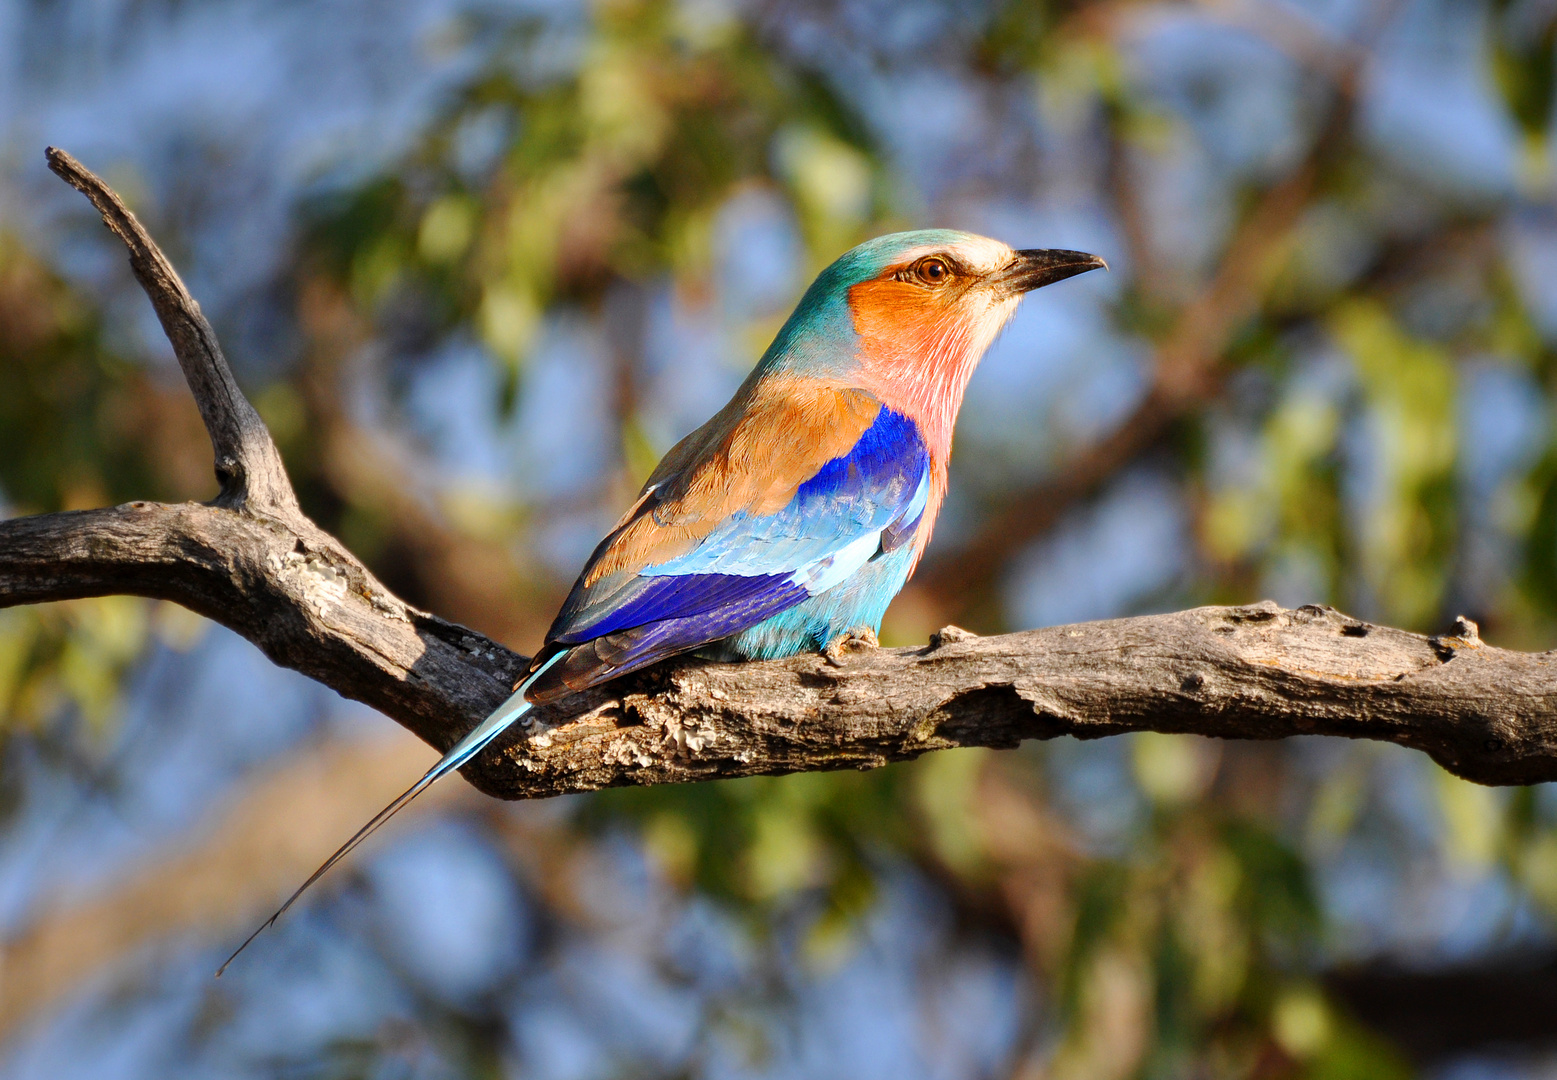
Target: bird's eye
{"points": [[932, 270]]}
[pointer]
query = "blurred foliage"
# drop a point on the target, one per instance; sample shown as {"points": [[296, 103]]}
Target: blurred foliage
{"points": [[761, 842], [1328, 460], [74, 425], [69, 415], [1523, 45], [1408, 389], [543, 183]]}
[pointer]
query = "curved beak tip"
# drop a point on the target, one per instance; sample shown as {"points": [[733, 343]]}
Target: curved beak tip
{"points": [[1034, 268]]}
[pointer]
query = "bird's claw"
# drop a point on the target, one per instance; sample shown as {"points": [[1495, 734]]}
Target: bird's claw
{"points": [[858, 639]]}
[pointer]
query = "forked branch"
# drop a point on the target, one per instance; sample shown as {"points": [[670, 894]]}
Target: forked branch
{"points": [[253, 562]]}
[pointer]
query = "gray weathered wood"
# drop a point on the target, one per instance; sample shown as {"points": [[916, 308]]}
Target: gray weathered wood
{"points": [[253, 562], [248, 465]]}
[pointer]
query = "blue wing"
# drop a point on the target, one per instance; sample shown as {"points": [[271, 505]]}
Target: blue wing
{"points": [[748, 566]]}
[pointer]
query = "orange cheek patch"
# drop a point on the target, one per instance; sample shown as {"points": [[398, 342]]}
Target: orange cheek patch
{"points": [[898, 312], [917, 350]]}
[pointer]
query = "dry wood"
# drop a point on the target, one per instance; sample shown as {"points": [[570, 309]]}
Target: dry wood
{"points": [[248, 465], [253, 562]]}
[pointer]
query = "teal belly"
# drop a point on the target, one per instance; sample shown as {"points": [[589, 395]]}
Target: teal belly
{"points": [[859, 600]]}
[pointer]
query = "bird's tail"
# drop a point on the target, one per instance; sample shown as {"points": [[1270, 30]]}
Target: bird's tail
{"points": [[462, 751]]}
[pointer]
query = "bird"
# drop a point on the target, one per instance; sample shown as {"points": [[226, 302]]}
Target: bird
{"points": [[788, 521]]}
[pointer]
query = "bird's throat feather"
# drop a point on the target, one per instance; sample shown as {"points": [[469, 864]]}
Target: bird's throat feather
{"points": [[917, 351]]}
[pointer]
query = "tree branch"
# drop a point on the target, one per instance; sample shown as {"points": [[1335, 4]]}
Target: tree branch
{"points": [[1256, 672], [293, 590], [248, 465]]}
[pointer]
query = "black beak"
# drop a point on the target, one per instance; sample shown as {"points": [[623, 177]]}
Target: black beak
{"points": [[1036, 267]]}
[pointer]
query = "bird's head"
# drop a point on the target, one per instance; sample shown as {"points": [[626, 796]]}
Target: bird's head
{"points": [[909, 315]]}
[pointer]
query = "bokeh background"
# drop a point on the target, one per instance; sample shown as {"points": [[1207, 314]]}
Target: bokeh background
{"points": [[480, 262]]}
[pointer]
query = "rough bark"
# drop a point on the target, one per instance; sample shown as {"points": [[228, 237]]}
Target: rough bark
{"points": [[253, 562], [248, 465]]}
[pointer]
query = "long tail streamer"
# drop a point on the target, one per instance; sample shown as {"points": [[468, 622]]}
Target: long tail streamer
{"points": [[462, 751]]}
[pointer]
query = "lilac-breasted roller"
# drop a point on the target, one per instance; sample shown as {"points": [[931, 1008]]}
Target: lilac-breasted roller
{"points": [[794, 516]]}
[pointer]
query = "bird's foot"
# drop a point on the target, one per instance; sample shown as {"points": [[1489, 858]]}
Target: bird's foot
{"points": [[857, 639]]}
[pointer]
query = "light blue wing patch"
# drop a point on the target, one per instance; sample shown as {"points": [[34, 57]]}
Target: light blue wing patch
{"points": [[835, 523]]}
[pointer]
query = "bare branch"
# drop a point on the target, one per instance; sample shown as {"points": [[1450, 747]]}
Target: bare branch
{"points": [[1258, 672], [289, 588], [248, 465]]}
